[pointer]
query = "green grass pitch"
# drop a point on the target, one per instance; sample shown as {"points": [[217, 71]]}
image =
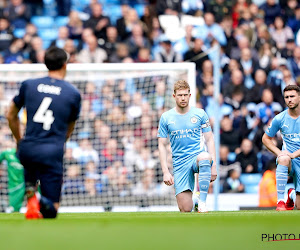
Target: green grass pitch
{"points": [[150, 230]]}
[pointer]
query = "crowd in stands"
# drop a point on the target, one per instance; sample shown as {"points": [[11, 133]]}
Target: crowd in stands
{"points": [[260, 55]]}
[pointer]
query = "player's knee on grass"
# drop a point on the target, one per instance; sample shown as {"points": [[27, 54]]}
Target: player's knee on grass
{"points": [[186, 208], [284, 160]]}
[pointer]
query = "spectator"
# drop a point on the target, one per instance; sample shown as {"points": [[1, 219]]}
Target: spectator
{"points": [[110, 44], [192, 7], [233, 183], [98, 22], [6, 35], [294, 63], [255, 93], [146, 186], [137, 40], [63, 7], [110, 154], [210, 31], [92, 54], [249, 66], [14, 54], [144, 56], [281, 33], [219, 8], [267, 187], [63, 35], [121, 22], [166, 7], [71, 49], [196, 54], [267, 108], [247, 157], [74, 25], [237, 11], [287, 52], [229, 136], [271, 10], [36, 46], [85, 152], [226, 164], [18, 13], [294, 20], [121, 52], [242, 42], [166, 52]]}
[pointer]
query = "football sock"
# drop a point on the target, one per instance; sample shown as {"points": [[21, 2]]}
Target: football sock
{"points": [[281, 181], [47, 208], [204, 178]]}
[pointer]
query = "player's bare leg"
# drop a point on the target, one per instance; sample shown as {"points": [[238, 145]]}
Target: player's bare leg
{"points": [[185, 201]]}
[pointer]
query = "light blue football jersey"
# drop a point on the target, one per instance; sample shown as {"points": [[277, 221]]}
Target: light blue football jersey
{"points": [[185, 133], [289, 129]]}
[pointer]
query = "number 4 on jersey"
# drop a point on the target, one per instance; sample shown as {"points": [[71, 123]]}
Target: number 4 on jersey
{"points": [[44, 115]]}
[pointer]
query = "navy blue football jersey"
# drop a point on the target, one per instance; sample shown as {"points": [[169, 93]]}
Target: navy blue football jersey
{"points": [[51, 104]]}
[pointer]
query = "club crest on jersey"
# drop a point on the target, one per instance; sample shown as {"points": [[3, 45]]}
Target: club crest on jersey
{"points": [[194, 119]]}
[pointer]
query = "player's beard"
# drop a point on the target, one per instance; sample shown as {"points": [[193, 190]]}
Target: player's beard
{"points": [[182, 104], [293, 106]]}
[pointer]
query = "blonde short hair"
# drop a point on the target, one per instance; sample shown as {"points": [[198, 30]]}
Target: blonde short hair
{"points": [[181, 84]]}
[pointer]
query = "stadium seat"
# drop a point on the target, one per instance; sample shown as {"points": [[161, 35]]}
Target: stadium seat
{"points": [[19, 33], [113, 12], [251, 189], [48, 34], [43, 22], [250, 179], [139, 9], [61, 21], [251, 182], [46, 44]]}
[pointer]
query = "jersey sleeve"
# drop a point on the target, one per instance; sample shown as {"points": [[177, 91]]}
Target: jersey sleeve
{"points": [[162, 128], [19, 99], [205, 124], [76, 109], [273, 127]]}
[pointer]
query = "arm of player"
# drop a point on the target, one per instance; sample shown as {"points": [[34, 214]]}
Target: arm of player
{"points": [[267, 141], [162, 148], [294, 155], [70, 129], [209, 138], [13, 121]]}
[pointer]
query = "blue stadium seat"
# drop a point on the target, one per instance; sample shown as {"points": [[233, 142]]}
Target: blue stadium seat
{"points": [[46, 44], [19, 33], [251, 189], [139, 9], [113, 12], [250, 179], [48, 34], [61, 21], [43, 22]]}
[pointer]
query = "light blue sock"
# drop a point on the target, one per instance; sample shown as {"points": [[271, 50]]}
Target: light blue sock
{"points": [[204, 178], [281, 180]]}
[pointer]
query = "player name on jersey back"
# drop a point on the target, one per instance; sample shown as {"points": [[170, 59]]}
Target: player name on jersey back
{"points": [[48, 89]]}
